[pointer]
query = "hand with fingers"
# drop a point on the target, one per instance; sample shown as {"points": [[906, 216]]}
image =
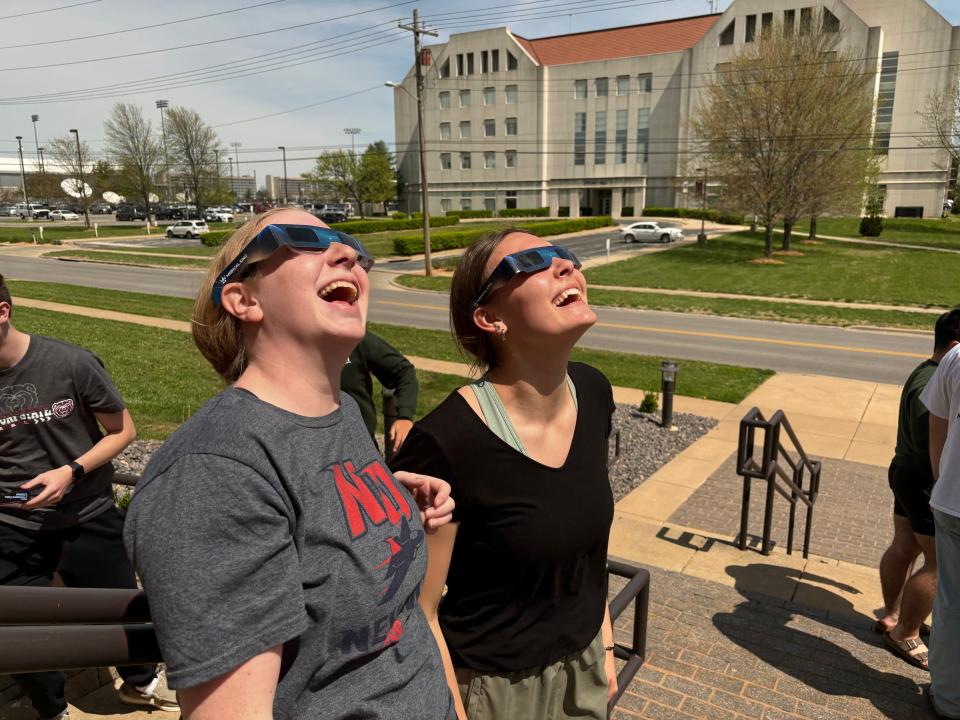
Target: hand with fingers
{"points": [[55, 483], [398, 432], [432, 496]]}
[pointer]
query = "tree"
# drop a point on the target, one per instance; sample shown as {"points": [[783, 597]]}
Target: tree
{"points": [[133, 147], [377, 174], [76, 161], [941, 124], [191, 142], [786, 125], [340, 171]]}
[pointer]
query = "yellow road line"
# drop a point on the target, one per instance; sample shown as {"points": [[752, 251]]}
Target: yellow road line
{"points": [[715, 336]]}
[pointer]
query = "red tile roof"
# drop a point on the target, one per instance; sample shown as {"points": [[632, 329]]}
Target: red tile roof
{"points": [[612, 43]]}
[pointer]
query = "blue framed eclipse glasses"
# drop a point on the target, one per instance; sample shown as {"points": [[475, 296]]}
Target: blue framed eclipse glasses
{"points": [[527, 262], [304, 238]]}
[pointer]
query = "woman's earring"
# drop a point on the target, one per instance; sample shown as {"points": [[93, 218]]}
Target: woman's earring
{"points": [[502, 331]]}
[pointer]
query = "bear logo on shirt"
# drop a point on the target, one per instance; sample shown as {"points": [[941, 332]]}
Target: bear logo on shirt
{"points": [[14, 398], [62, 408]]}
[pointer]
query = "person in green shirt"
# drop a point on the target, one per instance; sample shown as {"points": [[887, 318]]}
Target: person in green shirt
{"points": [[375, 357], [908, 596]]}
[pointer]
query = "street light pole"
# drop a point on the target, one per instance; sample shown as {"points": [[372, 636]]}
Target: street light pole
{"points": [[83, 183], [233, 187], [283, 149], [161, 104], [33, 119], [216, 156], [23, 178], [702, 237]]}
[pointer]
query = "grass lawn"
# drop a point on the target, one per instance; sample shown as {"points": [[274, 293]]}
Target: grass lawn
{"points": [[160, 306], [119, 258], [52, 231], [944, 233], [828, 271], [198, 250], [754, 309]]}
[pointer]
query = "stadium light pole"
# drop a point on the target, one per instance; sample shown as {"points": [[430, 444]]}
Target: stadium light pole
{"points": [[283, 149], [427, 263], [33, 119], [83, 182], [23, 178], [161, 105]]}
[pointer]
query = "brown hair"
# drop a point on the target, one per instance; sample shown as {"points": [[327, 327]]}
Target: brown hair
{"points": [[5, 294], [468, 278], [216, 332]]}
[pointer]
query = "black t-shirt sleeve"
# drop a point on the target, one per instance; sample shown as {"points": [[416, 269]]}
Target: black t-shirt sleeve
{"points": [[96, 388], [213, 544], [421, 453]]}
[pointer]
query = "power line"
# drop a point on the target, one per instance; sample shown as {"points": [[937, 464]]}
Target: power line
{"points": [[49, 10], [297, 109]]}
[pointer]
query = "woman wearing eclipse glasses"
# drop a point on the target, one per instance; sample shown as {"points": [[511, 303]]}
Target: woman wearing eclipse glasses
{"points": [[524, 627], [282, 560]]}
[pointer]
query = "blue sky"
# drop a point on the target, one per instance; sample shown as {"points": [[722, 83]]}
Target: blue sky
{"points": [[354, 47]]}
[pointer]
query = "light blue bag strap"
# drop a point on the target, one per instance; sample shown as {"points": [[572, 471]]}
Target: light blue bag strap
{"points": [[495, 414]]}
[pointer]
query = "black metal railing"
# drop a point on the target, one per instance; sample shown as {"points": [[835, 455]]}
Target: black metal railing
{"points": [[637, 592], [782, 472]]}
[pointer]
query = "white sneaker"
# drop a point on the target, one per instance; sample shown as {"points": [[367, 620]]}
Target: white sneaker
{"points": [[159, 696]]}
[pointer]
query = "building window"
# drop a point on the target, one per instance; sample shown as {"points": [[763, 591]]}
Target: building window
{"points": [[601, 87], [445, 163], [580, 138], [789, 16], [579, 89], [489, 128], [484, 64], [444, 100], [444, 131], [446, 205], [511, 124], [510, 158], [600, 138], [464, 98], [806, 20], [489, 160], [511, 200], [495, 60], [646, 82], [490, 204], [751, 30], [469, 63], [726, 37], [465, 163], [464, 129], [511, 93], [460, 66], [489, 96], [831, 23], [511, 61], [623, 84], [466, 201], [766, 23], [620, 147], [445, 69], [643, 134], [885, 96]]}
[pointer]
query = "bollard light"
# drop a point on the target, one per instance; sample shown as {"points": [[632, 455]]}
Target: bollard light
{"points": [[668, 381]]}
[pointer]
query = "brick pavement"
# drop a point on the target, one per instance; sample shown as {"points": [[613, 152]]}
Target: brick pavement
{"points": [[720, 653], [852, 520]]}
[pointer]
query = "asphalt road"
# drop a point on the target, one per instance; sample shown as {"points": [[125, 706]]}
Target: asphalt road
{"points": [[861, 354]]}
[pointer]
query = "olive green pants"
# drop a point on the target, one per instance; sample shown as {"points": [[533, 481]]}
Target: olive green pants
{"points": [[573, 687]]}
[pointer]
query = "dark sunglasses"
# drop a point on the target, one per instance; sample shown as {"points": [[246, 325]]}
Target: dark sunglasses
{"points": [[306, 238], [528, 262]]}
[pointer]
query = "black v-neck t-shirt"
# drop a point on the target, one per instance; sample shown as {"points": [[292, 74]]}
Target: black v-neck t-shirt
{"points": [[527, 581]]}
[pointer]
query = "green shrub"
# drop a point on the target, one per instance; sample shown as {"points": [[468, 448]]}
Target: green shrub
{"points": [[413, 244], [524, 212], [563, 211], [215, 238], [122, 497], [399, 216], [725, 218], [627, 211], [470, 213], [364, 227], [447, 263], [416, 215], [649, 403], [871, 226]]}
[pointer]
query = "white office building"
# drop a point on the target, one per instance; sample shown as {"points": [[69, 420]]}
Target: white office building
{"points": [[598, 122]]}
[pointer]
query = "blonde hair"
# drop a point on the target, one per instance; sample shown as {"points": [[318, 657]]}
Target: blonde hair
{"points": [[217, 333]]}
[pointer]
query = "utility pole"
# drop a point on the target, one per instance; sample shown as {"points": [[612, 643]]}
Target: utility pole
{"points": [[233, 187], [83, 183], [216, 156], [23, 178], [161, 104], [33, 119], [283, 149], [702, 237], [417, 29]]}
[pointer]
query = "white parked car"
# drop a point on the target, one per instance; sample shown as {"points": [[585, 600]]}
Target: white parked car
{"points": [[218, 215], [64, 215], [188, 228], [650, 231]]}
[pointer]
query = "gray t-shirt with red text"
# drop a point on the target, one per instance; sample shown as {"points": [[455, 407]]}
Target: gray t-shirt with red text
{"points": [[47, 406], [254, 527]]}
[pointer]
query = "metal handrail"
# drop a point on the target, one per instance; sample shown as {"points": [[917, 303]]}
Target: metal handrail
{"points": [[636, 591], [770, 469]]}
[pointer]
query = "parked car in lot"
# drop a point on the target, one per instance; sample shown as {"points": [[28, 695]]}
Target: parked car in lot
{"points": [[188, 229], [331, 214], [130, 212], [35, 210], [101, 209], [218, 214], [63, 215], [650, 231]]}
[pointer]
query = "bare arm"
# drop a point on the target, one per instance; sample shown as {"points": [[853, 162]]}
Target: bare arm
{"points": [[246, 692], [439, 551], [938, 438], [120, 432], [609, 661]]}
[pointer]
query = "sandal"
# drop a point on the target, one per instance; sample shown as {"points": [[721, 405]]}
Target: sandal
{"points": [[880, 628], [913, 650]]}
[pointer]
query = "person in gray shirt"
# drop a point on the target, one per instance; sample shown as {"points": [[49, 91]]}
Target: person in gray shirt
{"points": [[282, 560]]}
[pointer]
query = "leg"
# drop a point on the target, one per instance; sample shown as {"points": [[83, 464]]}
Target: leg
{"points": [[895, 567], [95, 557], [945, 637], [29, 558], [918, 593]]}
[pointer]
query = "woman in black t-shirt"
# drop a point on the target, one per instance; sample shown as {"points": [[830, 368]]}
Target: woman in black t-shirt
{"points": [[524, 628]]}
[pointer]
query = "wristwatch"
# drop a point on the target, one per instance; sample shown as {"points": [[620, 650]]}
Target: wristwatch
{"points": [[78, 472]]}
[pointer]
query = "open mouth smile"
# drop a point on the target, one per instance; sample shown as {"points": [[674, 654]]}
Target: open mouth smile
{"points": [[340, 291]]}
